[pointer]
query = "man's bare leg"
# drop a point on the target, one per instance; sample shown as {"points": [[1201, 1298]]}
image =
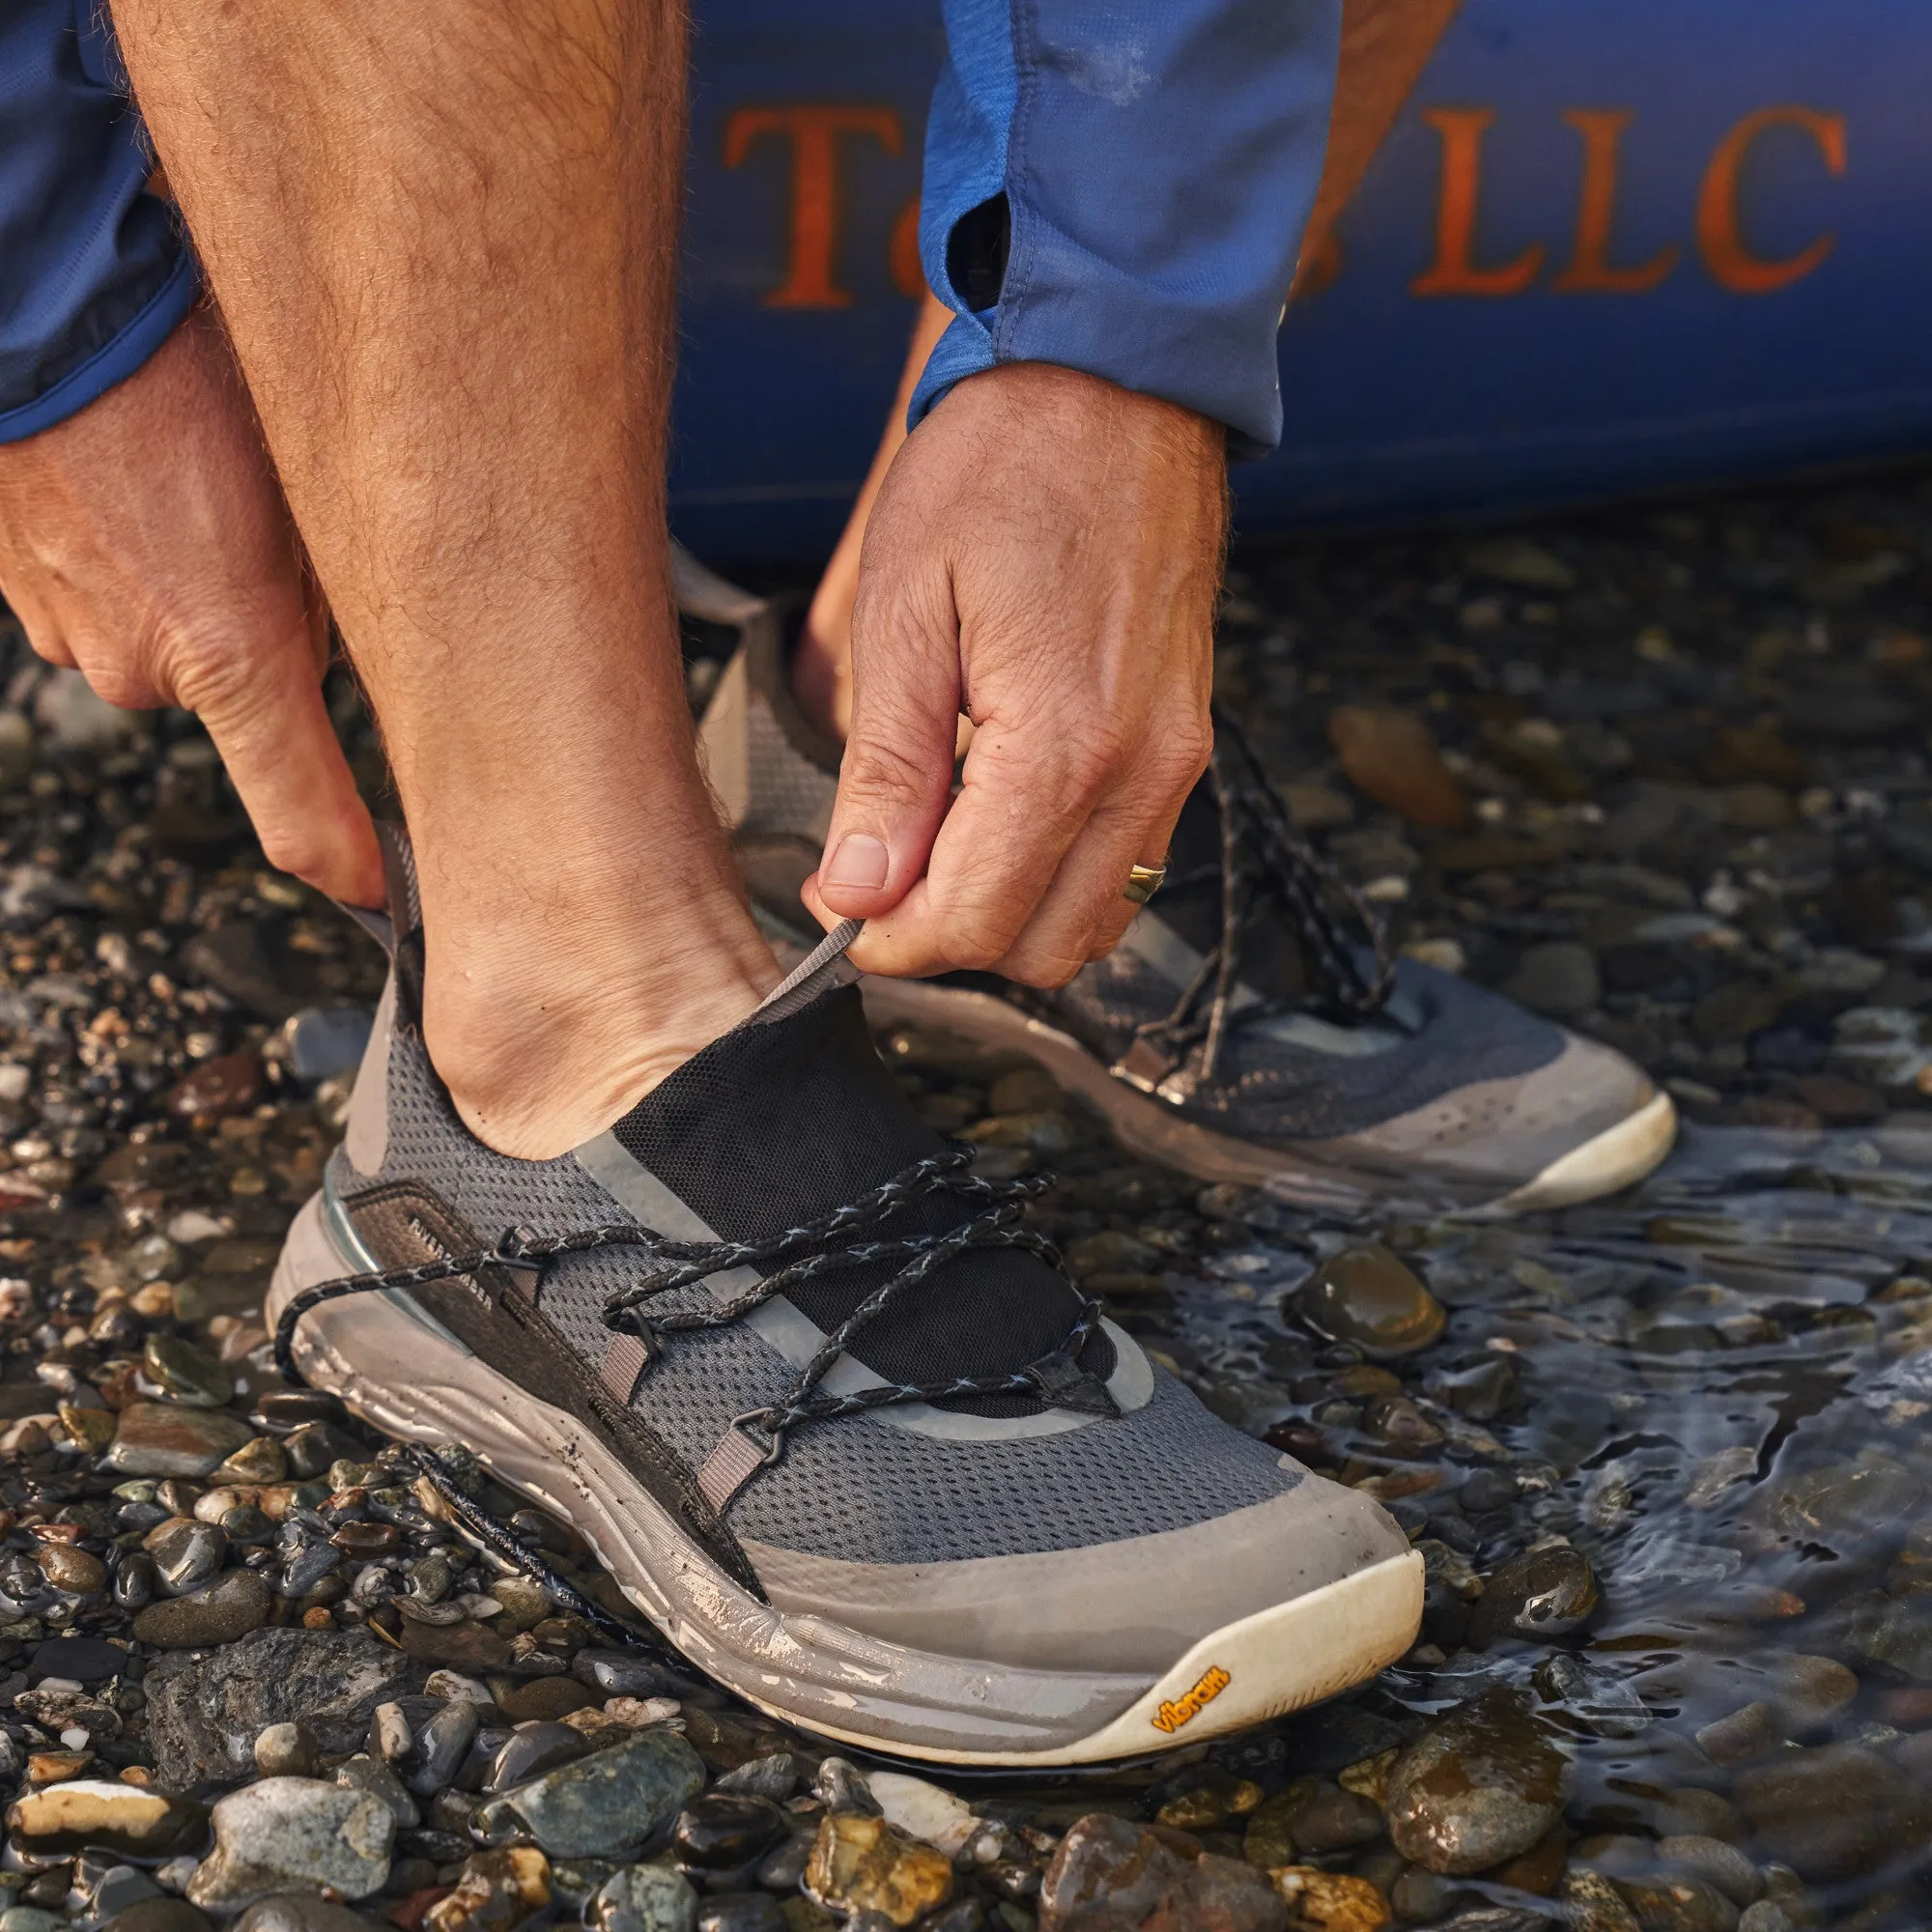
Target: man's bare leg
{"points": [[443, 242]]}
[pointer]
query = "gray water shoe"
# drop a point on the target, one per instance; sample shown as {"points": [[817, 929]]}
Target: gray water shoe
{"points": [[1295, 1060], [826, 1407]]}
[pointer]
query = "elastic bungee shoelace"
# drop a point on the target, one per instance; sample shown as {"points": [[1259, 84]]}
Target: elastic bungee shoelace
{"points": [[1265, 863]]}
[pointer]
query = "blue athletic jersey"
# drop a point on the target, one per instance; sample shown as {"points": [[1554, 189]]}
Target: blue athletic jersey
{"points": [[1114, 186]]}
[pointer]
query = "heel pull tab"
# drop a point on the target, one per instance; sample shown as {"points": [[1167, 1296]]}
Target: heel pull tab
{"points": [[404, 912], [399, 875], [821, 969]]}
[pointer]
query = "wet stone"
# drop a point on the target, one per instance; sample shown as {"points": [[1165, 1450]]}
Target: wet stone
{"points": [[1593, 1902], [370, 1774], [219, 1612], [759, 1912], [81, 1812], [1833, 1812], [1716, 1863], [1484, 1782], [185, 1374], [723, 1828], [293, 1831], [1391, 756], [1368, 1298], [165, 1438], [440, 1745], [1322, 1901], [69, 1569], [1544, 1594], [286, 1750], [259, 1460], [531, 1750], [159, 1914], [775, 1776], [205, 1712], [1889, 1637], [494, 1891], [302, 1912], [622, 1673], [1222, 1894], [544, 1697], [1848, 1504], [643, 1898], [1596, 1697], [229, 1084], [865, 1864], [840, 1786], [1559, 979], [924, 1811], [604, 1803], [1675, 1903], [86, 1660], [186, 1554], [1106, 1873]]}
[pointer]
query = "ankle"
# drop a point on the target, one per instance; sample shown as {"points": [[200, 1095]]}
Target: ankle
{"points": [[542, 1051]]}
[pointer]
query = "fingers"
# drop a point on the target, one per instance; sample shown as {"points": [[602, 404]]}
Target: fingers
{"points": [[266, 712], [896, 774], [1086, 910], [1027, 872]]}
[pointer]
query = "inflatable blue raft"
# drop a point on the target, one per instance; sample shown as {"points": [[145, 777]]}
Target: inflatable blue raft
{"points": [[1601, 245]]}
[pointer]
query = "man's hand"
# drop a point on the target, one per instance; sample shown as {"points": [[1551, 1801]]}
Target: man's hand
{"points": [[144, 540], [1044, 556]]}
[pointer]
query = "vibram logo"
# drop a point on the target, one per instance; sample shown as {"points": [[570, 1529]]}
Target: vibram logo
{"points": [[1173, 1714]]}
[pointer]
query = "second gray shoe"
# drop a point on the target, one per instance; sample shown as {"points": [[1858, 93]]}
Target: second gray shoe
{"points": [[1305, 1065]]}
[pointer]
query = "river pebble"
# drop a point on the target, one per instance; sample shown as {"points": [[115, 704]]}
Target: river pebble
{"points": [[284, 1832], [1484, 1782]]}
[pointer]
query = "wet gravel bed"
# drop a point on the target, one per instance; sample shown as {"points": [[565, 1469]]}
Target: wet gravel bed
{"points": [[1662, 776]]}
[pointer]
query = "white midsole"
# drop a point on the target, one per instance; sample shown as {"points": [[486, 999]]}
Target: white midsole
{"points": [[1617, 1157], [418, 1383]]}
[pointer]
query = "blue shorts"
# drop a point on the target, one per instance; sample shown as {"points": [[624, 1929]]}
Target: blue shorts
{"points": [[1114, 186]]}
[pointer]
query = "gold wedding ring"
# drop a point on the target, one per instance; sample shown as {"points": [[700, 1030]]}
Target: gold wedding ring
{"points": [[1142, 882]]}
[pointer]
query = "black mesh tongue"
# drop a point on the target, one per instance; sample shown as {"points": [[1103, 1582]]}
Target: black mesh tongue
{"points": [[1272, 959], [775, 1125]]}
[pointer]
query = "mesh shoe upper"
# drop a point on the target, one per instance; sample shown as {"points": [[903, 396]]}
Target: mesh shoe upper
{"points": [[860, 1489]]}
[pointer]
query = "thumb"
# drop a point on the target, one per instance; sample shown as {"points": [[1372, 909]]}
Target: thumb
{"points": [[895, 778]]}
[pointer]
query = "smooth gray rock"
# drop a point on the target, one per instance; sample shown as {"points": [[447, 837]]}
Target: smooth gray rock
{"points": [[287, 1832], [603, 1804]]}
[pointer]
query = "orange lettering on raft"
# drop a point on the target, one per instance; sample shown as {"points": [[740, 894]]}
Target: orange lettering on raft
{"points": [[1173, 1714], [908, 273], [814, 132], [1454, 271], [1731, 265], [1589, 271]]}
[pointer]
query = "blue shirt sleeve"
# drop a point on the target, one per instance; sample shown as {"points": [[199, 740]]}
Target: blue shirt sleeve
{"points": [[93, 272], [1120, 186]]}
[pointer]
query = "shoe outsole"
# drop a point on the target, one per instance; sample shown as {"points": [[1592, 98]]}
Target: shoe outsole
{"points": [[1618, 1157], [408, 1377]]}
